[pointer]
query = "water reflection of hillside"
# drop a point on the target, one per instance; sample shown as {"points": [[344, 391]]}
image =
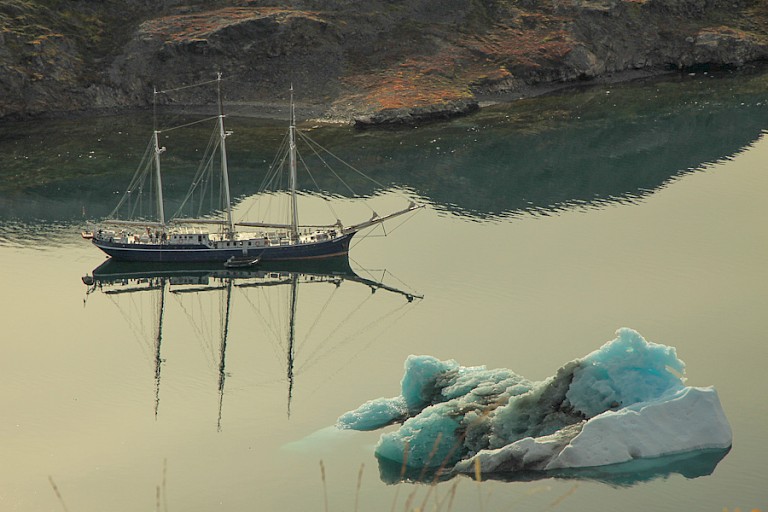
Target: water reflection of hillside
{"points": [[584, 147], [591, 147], [202, 299]]}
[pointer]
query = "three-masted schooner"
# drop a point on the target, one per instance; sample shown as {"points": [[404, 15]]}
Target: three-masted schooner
{"points": [[193, 240]]}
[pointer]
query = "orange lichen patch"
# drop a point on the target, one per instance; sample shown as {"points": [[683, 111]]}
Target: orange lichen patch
{"points": [[724, 30], [754, 20], [447, 74], [40, 39], [515, 47], [196, 26], [496, 75], [383, 91], [417, 81], [531, 18], [712, 34], [46, 45], [531, 42]]}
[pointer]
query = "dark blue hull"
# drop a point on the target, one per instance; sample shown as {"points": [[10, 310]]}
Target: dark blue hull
{"points": [[199, 253]]}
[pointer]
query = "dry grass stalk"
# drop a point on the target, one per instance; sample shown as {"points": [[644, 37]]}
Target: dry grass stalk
{"points": [[165, 492], [450, 495], [479, 479], [424, 469], [432, 487], [431, 455], [58, 494], [409, 500], [325, 488], [562, 498], [359, 484], [403, 468]]}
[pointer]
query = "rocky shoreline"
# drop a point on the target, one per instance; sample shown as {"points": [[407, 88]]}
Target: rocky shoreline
{"points": [[382, 63], [323, 114], [414, 116]]}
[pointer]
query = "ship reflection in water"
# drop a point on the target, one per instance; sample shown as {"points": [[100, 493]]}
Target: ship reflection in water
{"points": [[156, 281]]}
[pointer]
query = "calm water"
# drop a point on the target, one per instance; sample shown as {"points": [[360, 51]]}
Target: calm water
{"points": [[550, 223]]}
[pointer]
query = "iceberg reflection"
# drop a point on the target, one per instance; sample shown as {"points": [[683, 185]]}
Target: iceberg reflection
{"points": [[689, 465]]}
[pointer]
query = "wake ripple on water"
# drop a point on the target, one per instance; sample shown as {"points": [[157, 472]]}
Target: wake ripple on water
{"points": [[14, 233]]}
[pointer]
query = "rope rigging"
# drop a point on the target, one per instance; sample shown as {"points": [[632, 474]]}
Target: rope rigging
{"points": [[202, 175], [318, 356], [187, 125], [313, 146], [383, 228], [137, 182], [269, 202], [312, 143], [320, 314], [190, 86], [275, 178], [202, 328], [312, 177]]}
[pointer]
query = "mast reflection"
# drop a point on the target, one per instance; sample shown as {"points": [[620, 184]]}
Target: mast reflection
{"points": [[157, 280]]}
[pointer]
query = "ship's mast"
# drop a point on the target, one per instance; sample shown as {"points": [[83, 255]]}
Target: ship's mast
{"points": [[158, 176], [292, 336], [158, 344], [292, 160], [224, 171], [223, 350]]}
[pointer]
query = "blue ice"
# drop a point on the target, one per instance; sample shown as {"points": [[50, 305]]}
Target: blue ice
{"points": [[624, 401]]}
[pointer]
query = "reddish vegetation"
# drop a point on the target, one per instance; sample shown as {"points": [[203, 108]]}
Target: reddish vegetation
{"points": [[522, 49], [415, 82], [724, 31], [448, 74], [195, 26]]}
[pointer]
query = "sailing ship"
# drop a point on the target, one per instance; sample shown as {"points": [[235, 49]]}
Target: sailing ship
{"points": [[115, 279], [239, 243]]}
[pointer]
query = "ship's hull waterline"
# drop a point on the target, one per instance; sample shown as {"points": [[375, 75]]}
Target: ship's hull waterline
{"points": [[155, 252]]}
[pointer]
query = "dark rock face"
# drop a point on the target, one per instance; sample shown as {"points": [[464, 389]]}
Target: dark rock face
{"points": [[265, 51], [664, 34], [381, 62]]}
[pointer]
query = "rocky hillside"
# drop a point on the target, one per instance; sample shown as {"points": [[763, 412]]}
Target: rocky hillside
{"points": [[373, 61]]}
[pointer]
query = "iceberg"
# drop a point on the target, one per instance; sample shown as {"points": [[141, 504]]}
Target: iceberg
{"points": [[627, 401]]}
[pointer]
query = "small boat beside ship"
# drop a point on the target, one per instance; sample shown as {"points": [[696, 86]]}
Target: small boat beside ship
{"points": [[206, 239], [241, 262]]}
